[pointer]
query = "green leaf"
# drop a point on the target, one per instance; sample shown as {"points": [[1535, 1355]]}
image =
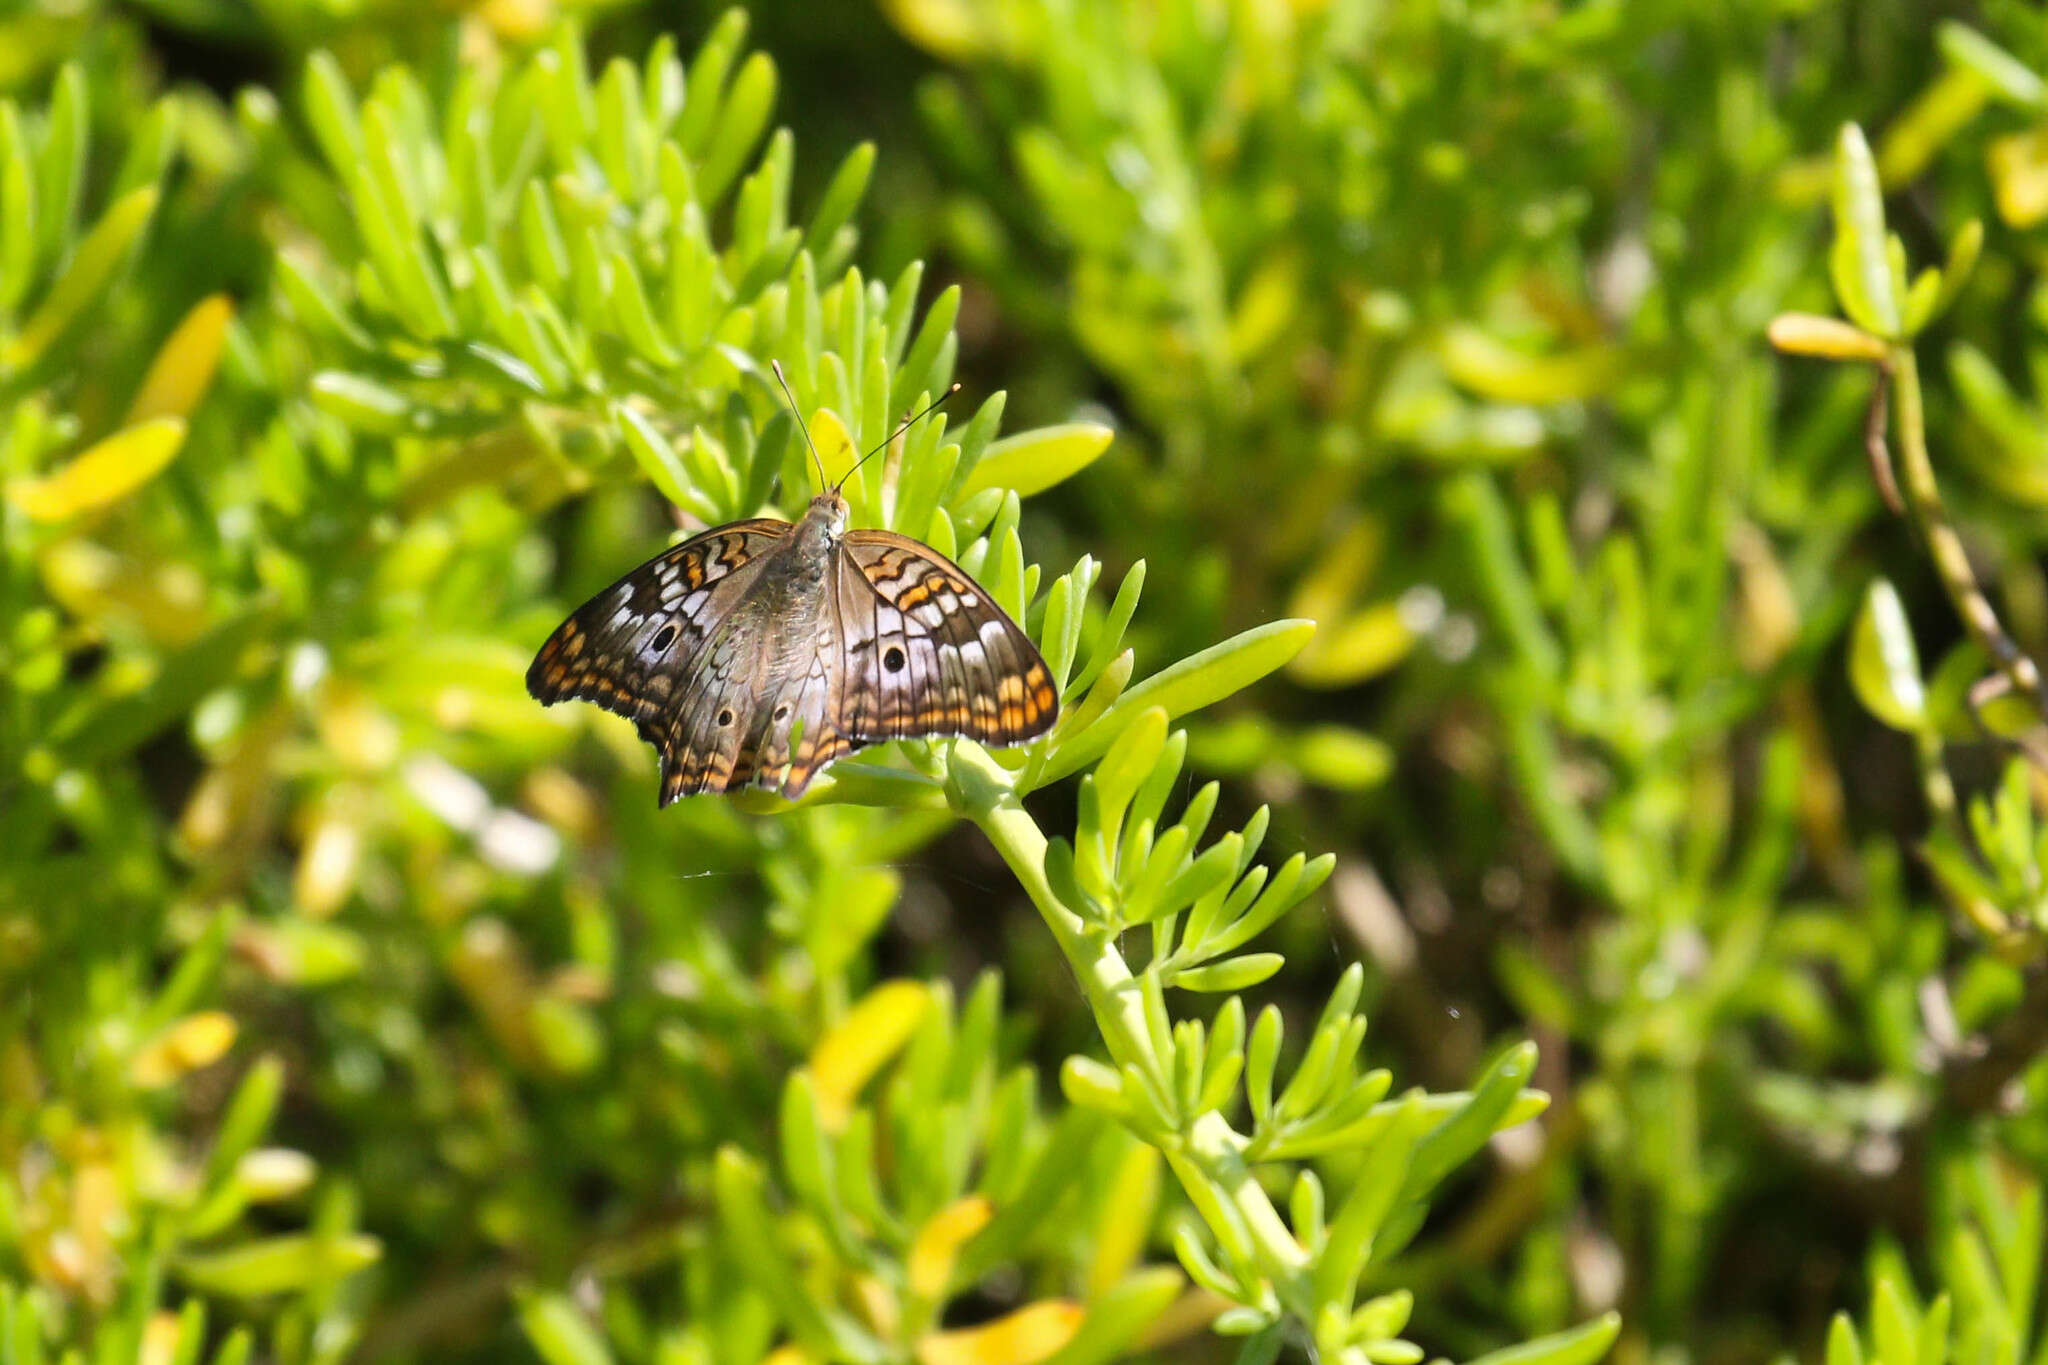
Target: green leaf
{"points": [[1117, 1317], [1126, 765], [277, 1265], [331, 113], [92, 269], [1860, 259], [807, 1160], [1196, 681], [1884, 666], [1457, 1137], [1894, 1324], [1262, 1054], [60, 170], [658, 460], [1034, 461], [742, 118], [704, 84], [1581, 1345], [1232, 974], [842, 196], [1089, 1084], [559, 1333], [916, 375], [2013, 80], [1376, 1188], [17, 210], [247, 1118], [747, 1234]]}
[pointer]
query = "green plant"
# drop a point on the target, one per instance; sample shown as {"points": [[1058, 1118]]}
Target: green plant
{"points": [[539, 305]]}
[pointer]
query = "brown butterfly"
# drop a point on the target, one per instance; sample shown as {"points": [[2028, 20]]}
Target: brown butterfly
{"points": [[759, 652]]}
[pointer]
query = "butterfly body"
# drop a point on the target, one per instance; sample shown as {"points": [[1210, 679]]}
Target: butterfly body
{"points": [[759, 652]]}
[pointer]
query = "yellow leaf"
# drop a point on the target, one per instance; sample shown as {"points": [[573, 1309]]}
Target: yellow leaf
{"points": [[1033, 461], [952, 30], [106, 473], [1487, 367], [327, 866], [1030, 1334], [938, 1244], [160, 1337], [1363, 645], [1331, 584], [195, 1041], [1265, 307], [269, 1174], [1823, 338], [859, 1044], [835, 444], [2019, 177], [788, 1355], [184, 366]]}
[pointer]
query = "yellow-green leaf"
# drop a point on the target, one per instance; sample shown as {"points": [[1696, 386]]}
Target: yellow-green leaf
{"points": [[277, 1265], [1024, 1337], [1859, 261], [1033, 461], [1363, 645], [929, 1267], [183, 368], [1883, 664], [858, 1046], [2018, 164], [1482, 365], [92, 267], [1823, 338], [1195, 682], [106, 473]]}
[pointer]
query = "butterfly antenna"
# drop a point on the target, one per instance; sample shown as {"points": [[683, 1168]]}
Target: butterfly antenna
{"points": [[776, 366], [908, 422]]}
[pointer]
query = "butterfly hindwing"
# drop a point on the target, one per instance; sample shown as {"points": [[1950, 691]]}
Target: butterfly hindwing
{"points": [[631, 648], [928, 652]]}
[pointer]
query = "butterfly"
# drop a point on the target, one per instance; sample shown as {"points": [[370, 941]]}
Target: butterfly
{"points": [[759, 652]]}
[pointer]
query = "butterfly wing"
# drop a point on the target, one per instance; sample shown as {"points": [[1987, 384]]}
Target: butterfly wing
{"points": [[735, 686], [928, 652], [637, 647]]}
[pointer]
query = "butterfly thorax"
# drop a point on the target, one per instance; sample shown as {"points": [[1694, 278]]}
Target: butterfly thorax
{"points": [[789, 588], [821, 530]]}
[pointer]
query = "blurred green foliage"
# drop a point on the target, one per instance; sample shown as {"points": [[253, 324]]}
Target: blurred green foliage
{"points": [[1462, 617]]}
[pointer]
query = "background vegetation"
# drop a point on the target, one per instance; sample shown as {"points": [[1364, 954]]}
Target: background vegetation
{"points": [[1662, 774]]}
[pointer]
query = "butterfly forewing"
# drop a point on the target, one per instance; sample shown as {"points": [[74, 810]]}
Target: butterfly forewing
{"points": [[754, 656], [630, 647]]}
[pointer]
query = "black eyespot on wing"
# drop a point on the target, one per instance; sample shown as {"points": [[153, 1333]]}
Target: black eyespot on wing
{"points": [[725, 716], [782, 711], [664, 639], [892, 659]]}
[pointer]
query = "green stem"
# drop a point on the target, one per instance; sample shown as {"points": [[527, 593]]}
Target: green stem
{"points": [[1210, 1161], [1951, 562]]}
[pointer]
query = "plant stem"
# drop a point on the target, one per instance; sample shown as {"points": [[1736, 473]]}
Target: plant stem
{"points": [[1951, 562], [1210, 1160]]}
